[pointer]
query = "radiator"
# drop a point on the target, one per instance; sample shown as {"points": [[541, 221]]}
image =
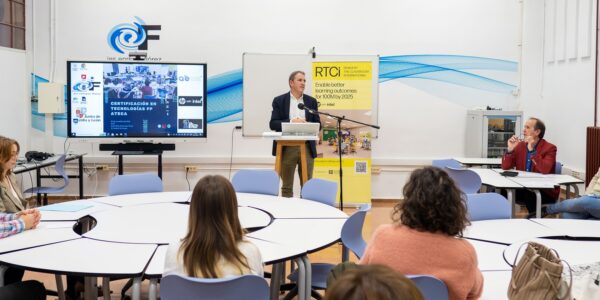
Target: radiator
{"points": [[592, 161]]}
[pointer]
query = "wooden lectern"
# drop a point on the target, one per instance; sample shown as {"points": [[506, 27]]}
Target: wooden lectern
{"points": [[292, 143]]}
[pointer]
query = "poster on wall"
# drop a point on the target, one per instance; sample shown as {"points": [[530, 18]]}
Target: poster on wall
{"points": [[345, 89]]}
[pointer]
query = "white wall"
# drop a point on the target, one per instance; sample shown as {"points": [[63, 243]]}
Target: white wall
{"points": [[420, 119], [14, 99], [558, 85]]}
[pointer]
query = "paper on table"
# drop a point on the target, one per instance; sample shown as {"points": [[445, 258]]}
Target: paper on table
{"points": [[65, 207]]}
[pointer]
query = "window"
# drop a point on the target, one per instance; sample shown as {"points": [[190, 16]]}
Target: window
{"points": [[12, 24]]}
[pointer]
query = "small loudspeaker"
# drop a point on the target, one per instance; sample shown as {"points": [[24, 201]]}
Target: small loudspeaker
{"points": [[51, 98]]}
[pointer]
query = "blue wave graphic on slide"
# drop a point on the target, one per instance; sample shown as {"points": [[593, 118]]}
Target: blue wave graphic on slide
{"points": [[224, 91]]}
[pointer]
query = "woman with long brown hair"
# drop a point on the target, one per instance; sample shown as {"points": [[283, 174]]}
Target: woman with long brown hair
{"points": [[214, 245], [11, 199], [426, 235]]}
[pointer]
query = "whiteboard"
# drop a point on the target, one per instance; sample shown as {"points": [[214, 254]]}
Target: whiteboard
{"points": [[266, 76]]}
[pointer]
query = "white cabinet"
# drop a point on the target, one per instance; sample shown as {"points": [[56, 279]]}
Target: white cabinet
{"points": [[489, 130]]}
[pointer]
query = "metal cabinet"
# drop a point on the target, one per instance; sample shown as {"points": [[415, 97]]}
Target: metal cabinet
{"points": [[489, 130]]}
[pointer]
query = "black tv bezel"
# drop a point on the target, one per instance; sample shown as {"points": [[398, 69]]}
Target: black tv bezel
{"points": [[144, 137]]}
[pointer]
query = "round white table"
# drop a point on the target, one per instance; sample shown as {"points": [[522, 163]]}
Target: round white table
{"points": [[497, 241], [132, 233]]}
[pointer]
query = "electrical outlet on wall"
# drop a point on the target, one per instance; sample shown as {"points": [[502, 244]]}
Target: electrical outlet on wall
{"points": [[191, 168]]}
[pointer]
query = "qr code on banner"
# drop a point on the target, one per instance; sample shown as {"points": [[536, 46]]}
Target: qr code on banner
{"points": [[360, 167]]}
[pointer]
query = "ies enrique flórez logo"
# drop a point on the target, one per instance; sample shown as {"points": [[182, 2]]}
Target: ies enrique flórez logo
{"points": [[127, 37]]}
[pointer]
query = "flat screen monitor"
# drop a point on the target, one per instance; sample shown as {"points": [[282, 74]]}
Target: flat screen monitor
{"points": [[136, 100]]}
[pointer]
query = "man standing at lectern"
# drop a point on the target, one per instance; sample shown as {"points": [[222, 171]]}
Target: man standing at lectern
{"points": [[285, 109]]}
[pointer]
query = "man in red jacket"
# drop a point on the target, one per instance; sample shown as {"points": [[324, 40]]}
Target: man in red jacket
{"points": [[532, 154]]}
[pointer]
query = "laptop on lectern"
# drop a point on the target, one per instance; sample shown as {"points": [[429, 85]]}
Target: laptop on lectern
{"points": [[300, 129]]}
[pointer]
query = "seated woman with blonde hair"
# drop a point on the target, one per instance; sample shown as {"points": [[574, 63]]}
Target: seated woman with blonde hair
{"points": [[11, 199], [214, 246], [425, 237]]}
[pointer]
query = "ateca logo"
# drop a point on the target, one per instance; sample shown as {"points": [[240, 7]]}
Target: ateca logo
{"points": [[132, 38]]}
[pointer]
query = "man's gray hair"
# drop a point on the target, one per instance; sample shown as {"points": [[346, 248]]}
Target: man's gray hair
{"points": [[293, 75]]}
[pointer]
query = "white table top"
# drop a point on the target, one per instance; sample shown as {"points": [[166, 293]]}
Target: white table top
{"points": [[157, 263], [534, 182], [489, 256], [507, 231], [145, 198], [289, 208], [84, 257], [76, 215], [295, 233], [269, 251], [126, 236], [274, 252], [478, 161], [38, 237], [493, 178], [533, 179], [495, 285], [574, 252], [572, 227], [158, 223], [32, 165]]}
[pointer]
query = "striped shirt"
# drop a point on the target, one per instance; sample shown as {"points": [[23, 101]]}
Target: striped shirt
{"points": [[10, 224]]}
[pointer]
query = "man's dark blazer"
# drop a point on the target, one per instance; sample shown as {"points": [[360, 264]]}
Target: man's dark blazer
{"points": [[281, 114]]}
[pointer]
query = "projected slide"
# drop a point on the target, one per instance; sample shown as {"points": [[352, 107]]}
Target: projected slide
{"points": [[136, 100]]}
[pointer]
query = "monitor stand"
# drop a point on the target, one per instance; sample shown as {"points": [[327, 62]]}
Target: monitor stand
{"points": [[122, 149]]}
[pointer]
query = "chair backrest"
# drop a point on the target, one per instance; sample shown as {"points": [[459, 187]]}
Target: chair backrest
{"points": [[431, 287], [558, 168], [320, 190], [256, 181], [60, 169], [488, 206], [352, 231], [135, 183], [467, 180], [176, 287], [442, 163]]}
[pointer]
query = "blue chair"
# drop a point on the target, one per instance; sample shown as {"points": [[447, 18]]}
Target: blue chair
{"points": [[352, 232], [488, 206], [351, 238], [467, 180], [60, 169], [176, 287], [442, 163], [320, 190], [558, 168], [256, 181], [135, 183], [431, 287]]}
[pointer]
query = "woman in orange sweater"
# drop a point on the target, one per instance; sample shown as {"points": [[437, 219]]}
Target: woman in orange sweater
{"points": [[425, 237]]}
